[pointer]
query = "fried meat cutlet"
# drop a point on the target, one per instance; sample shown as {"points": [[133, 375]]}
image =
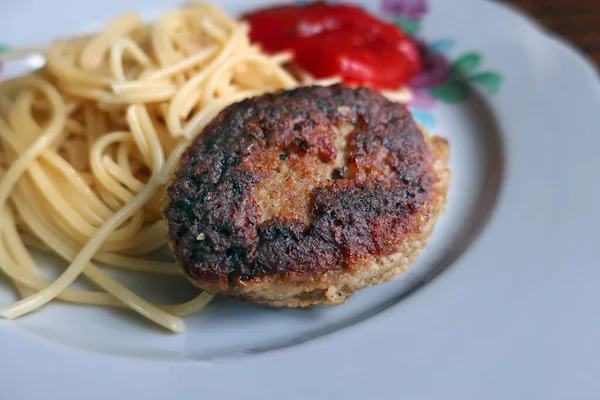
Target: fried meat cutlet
{"points": [[304, 196]]}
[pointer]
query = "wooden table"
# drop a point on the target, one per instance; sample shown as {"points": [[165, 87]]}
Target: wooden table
{"points": [[576, 20]]}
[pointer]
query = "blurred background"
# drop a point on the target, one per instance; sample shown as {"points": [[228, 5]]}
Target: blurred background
{"points": [[576, 20]]}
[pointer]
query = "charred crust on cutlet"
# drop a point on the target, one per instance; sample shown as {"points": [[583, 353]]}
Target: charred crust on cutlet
{"points": [[367, 208]]}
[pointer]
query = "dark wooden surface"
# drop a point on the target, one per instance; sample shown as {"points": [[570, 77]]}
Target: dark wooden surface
{"points": [[576, 20]]}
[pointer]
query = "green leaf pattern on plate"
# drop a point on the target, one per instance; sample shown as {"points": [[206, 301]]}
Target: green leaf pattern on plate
{"points": [[489, 81], [452, 91], [463, 72], [410, 27], [465, 65]]}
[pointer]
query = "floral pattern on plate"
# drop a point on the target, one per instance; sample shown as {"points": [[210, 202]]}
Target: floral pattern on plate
{"points": [[442, 79]]}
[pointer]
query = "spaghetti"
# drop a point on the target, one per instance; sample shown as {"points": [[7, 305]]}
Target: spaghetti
{"points": [[88, 142]]}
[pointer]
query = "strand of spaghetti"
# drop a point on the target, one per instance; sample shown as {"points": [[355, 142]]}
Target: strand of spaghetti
{"points": [[16, 272], [75, 127], [84, 92], [52, 132], [15, 248], [145, 95], [181, 66], [25, 273], [94, 51], [123, 175], [67, 204], [131, 88], [136, 264], [170, 164], [225, 86], [24, 277], [149, 239], [137, 134], [10, 138], [52, 239], [131, 231], [184, 100], [117, 51], [286, 80], [111, 259], [20, 118], [86, 254], [61, 209], [216, 12], [23, 289], [60, 164], [138, 118], [14, 245], [40, 177], [162, 44], [66, 72], [30, 240], [220, 35], [145, 241], [204, 116], [59, 201], [108, 198], [282, 58], [19, 272], [136, 303], [102, 176], [124, 154], [74, 150], [193, 306]]}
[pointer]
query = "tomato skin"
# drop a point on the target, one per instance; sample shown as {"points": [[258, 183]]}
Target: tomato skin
{"points": [[338, 39]]}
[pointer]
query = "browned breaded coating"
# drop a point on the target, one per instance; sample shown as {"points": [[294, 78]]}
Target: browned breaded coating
{"points": [[304, 196]]}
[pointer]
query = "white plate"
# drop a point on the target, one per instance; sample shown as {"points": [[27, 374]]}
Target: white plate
{"points": [[513, 315]]}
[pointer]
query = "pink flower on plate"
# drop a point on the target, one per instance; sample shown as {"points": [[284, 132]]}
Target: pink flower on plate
{"points": [[422, 99], [435, 72], [409, 9]]}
